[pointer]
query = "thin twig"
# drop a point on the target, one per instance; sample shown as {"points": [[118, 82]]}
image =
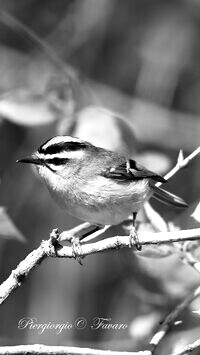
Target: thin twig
{"points": [[169, 320], [181, 163], [38, 349], [189, 348]]}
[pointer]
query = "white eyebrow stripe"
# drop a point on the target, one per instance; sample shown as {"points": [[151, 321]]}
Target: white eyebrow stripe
{"points": [[77, 154], [61, 139]]}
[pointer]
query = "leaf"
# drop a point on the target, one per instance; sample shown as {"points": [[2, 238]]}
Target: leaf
{"points": [[7, 228], [27, 108]]}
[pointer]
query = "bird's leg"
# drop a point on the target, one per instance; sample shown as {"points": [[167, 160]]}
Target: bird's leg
{"points": [[134, 240], [76, 243]]}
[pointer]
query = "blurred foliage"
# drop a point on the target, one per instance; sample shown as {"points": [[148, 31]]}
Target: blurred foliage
{"points": [[141, 60]]}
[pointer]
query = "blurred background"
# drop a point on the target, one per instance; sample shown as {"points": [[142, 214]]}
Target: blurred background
{"points": [[124, 75]]}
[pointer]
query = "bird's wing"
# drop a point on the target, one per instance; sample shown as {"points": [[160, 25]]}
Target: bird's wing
{"points": [[131, 170]]}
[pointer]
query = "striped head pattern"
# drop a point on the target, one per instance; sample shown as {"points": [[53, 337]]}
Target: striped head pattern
{"points": [[57, 151]]}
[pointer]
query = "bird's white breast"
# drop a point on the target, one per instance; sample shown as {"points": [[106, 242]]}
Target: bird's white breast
{"points": [[99, 200], [104, 201]]}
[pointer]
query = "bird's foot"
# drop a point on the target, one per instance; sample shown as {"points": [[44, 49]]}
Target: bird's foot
{"points": [[54, 236], [54, 240], [76, 249], [134, 240]]}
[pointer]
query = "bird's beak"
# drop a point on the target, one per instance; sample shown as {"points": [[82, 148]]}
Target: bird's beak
{"points": [[33, 159]]}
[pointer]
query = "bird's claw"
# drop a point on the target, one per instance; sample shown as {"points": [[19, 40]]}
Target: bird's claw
{"points": [[76, 250], [54, 238], [134, 240]]}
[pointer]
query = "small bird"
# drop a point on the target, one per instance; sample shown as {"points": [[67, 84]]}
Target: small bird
{"points": [[95, 184]]}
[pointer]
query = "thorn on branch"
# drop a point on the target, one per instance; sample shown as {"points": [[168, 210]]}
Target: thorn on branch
{"points": [[181, 161], [180, 157]]}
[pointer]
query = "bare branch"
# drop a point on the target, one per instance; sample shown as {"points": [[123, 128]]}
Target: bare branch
{"points": [[169, 320], [52, 248], [189, 348], [117, 242], [18, 275], [38, 349]]}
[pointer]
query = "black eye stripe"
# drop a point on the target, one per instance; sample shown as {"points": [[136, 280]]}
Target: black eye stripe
{"points": [[56, 161], [62, 146]]}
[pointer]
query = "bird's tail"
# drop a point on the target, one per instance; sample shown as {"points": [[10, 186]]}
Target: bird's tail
{"points": [[168, 198]]}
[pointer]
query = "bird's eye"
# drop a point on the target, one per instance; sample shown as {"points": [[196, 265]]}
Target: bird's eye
{"points": [[57, 161]]}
